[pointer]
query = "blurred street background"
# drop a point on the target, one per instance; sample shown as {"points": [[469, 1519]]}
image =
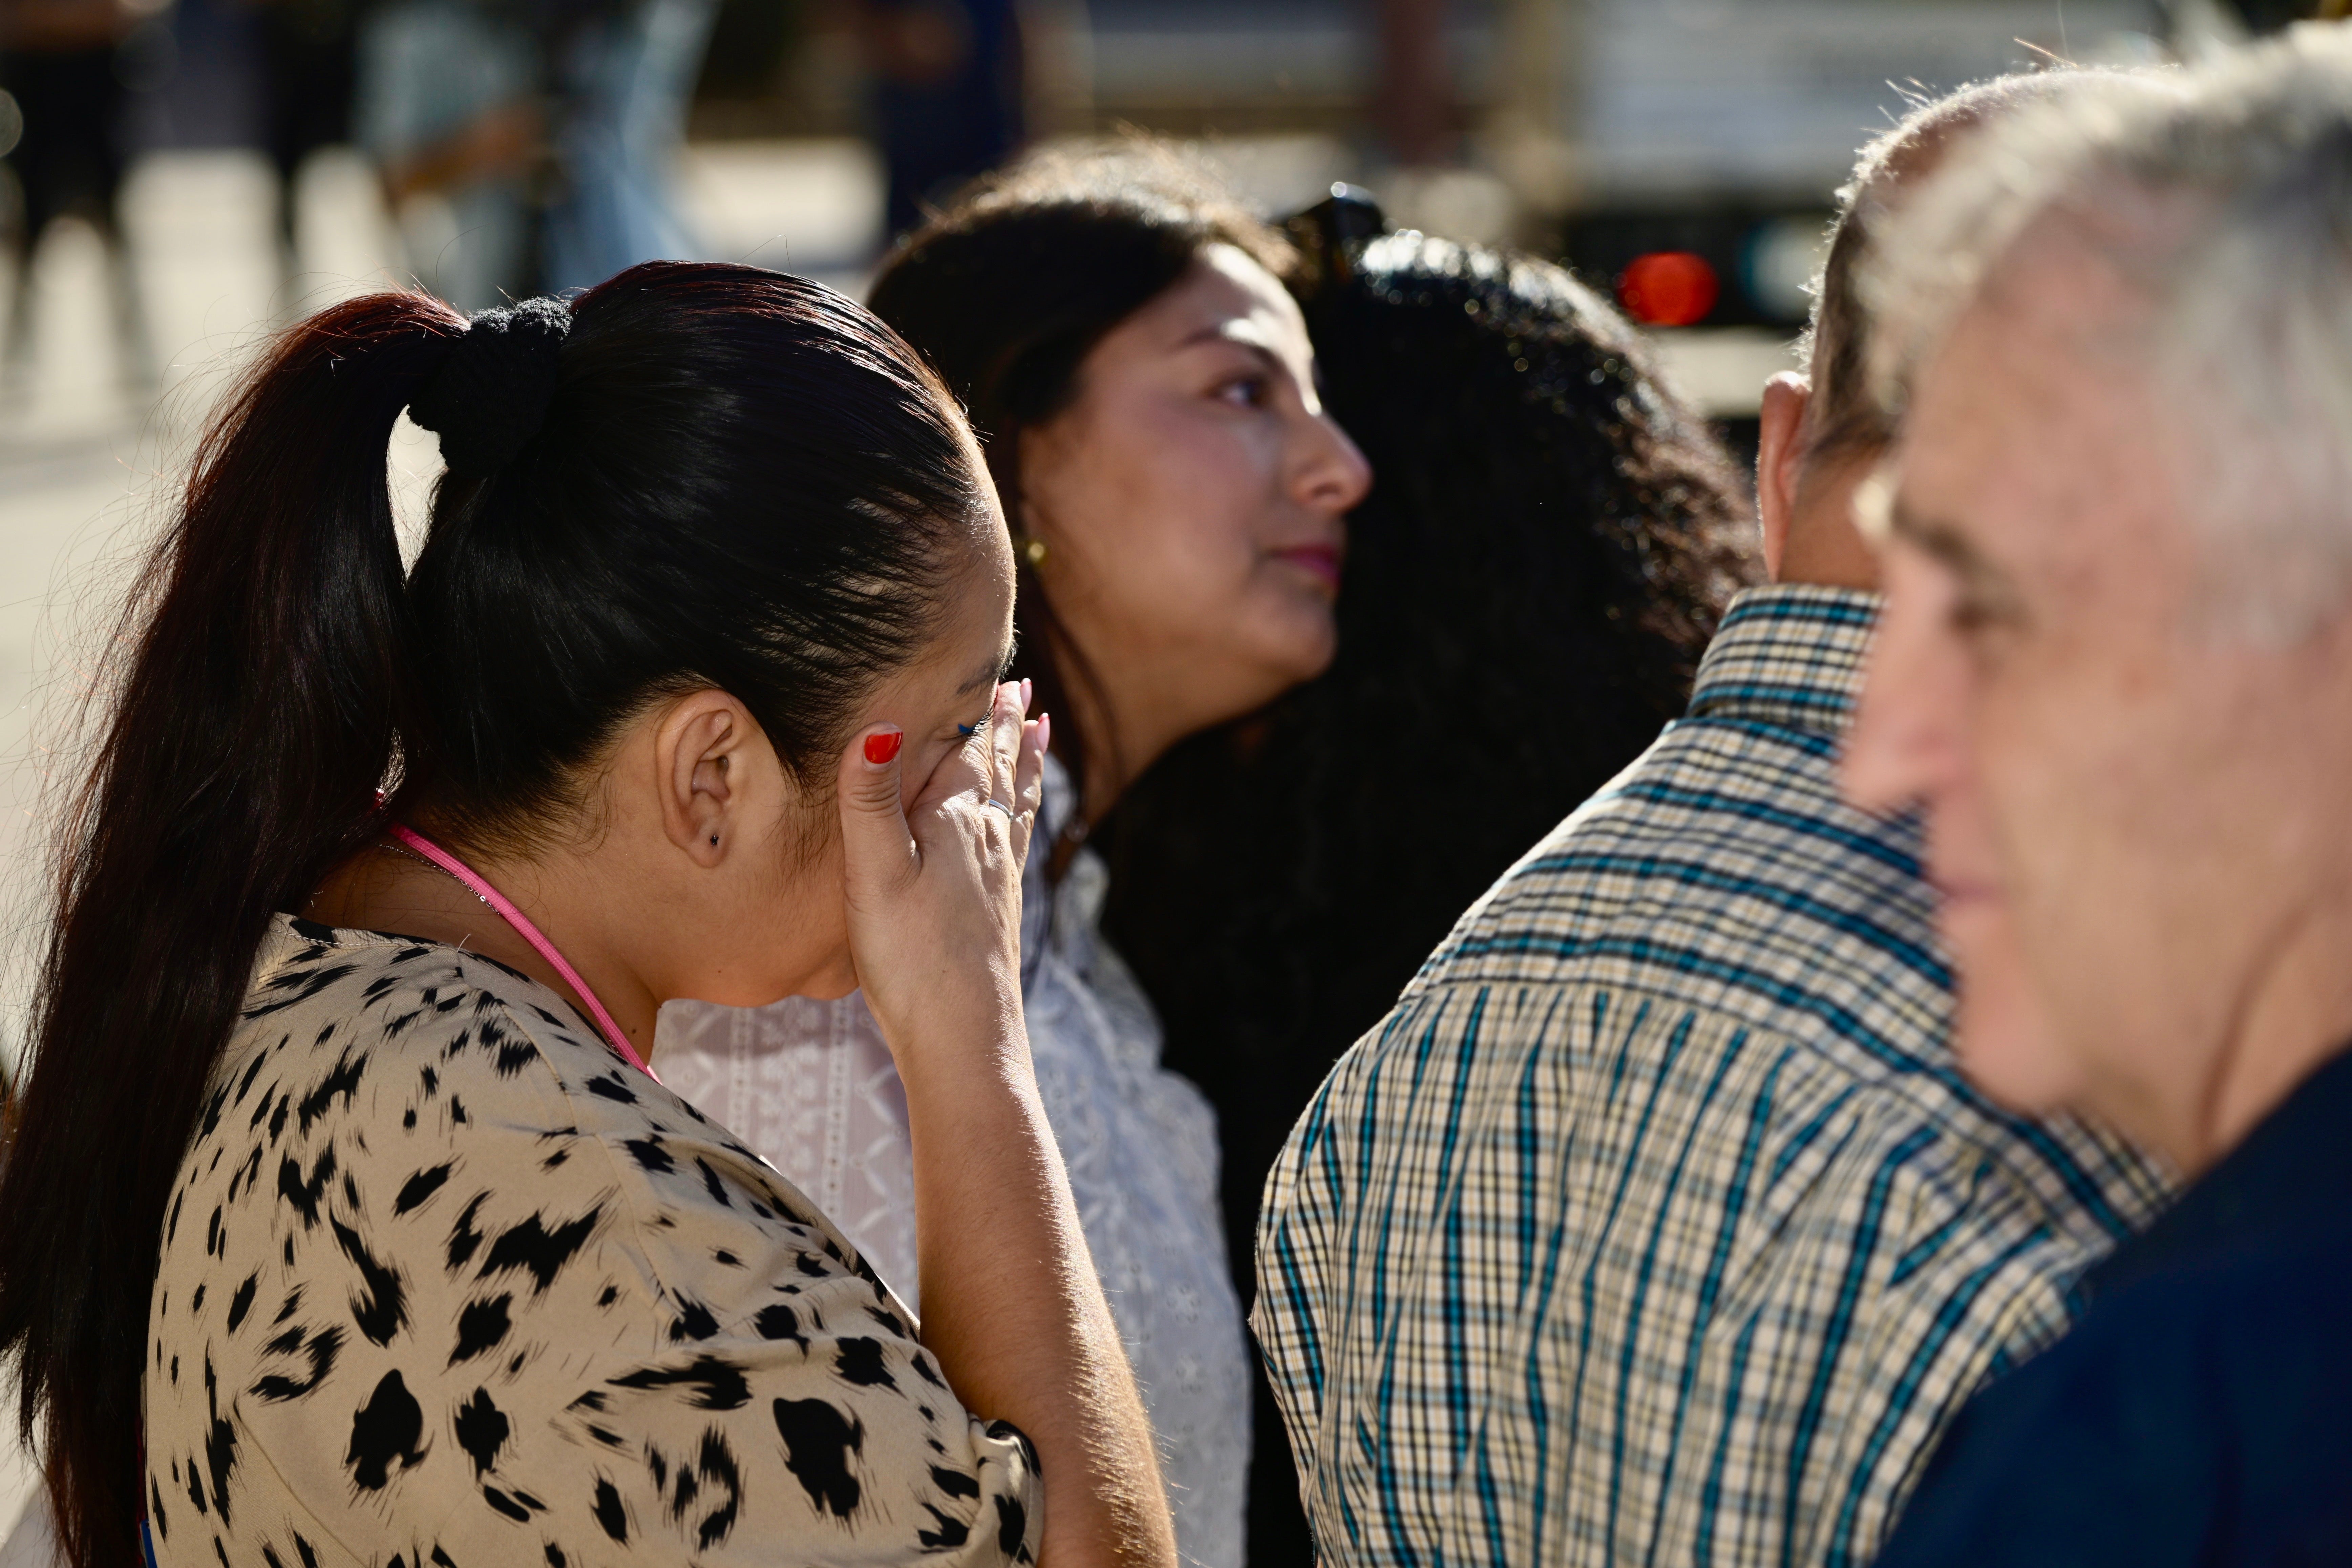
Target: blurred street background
{"points": [[183, 175]]}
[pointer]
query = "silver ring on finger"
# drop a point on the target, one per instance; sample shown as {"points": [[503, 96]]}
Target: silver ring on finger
{"points": [[1010, 814]]}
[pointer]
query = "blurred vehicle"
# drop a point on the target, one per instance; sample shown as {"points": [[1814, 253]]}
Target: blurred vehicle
{"points": [[1703, 138]]}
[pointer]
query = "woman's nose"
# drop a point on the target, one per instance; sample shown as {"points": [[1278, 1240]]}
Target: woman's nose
{"points": [[1331, 474]]}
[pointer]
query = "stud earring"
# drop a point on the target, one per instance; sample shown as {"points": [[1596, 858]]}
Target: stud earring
{"points": [[1032, 549]]}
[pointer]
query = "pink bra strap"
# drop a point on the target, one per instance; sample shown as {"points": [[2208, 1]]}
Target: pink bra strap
{"points": [[527, 931]]}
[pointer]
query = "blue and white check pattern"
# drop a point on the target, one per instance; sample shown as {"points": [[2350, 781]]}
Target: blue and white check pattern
{"points": [[1656, 1225]]}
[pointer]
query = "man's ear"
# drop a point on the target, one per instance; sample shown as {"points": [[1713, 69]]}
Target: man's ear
{"points": [[1779, 448], [698, 761]]}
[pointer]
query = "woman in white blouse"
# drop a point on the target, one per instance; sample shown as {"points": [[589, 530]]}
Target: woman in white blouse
{"points": [[1120, 331]]}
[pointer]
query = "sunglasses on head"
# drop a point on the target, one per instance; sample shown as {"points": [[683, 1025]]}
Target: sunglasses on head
{"points": [[1324, 231]]}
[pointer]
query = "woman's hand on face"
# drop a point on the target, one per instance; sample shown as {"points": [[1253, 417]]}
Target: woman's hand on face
{"points": [[933, 884]]}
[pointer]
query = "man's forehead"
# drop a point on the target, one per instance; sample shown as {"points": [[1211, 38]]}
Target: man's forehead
{"points": [[2034, 438], [2052, 347]]}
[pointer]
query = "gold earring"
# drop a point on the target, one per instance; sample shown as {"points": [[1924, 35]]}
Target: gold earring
{"points": [[1032, 549]]}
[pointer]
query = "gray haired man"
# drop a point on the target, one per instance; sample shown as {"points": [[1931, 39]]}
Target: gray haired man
{"points": [[2117, 668]]}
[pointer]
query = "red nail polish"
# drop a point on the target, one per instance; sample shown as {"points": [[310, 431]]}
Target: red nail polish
{"points": [[880, 749]]}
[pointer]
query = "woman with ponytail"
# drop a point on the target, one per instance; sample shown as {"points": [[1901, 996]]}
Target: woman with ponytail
{"points": [[344, 1221]]}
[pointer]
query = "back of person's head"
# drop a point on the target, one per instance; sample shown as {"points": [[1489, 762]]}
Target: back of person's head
{"points": [[2222, 202], [1544, 555], [691, 477], [1007, 291], [1843, 421], [1518, 418]]}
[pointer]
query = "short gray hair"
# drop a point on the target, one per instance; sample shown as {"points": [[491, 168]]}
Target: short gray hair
{"points": [[1843, 417], [2229, 204]]}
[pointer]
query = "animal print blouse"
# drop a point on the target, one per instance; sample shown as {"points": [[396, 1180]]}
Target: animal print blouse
{"points": [[444, 1284]]}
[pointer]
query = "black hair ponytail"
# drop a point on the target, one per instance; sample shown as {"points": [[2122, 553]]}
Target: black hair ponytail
{"points": [[255, 719], [723, 477]]}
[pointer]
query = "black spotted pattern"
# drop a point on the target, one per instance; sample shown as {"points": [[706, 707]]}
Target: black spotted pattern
{"points": [[464, 1289]]}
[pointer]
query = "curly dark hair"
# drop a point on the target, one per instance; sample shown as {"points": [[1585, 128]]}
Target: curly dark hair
{"points": [[1550, 540]]}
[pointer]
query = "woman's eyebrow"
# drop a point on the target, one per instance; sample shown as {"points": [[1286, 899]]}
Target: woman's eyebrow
{"points": [[1222, 333]]}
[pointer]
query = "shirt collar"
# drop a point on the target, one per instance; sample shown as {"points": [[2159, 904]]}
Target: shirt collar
{"points": [[1788, 655], [2290, 1176]]}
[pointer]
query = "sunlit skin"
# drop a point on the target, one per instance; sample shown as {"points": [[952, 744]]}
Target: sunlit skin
{"points": [[1804, 495], [1191, 501], [1804, 502], [658, 910], [2135, 813]]}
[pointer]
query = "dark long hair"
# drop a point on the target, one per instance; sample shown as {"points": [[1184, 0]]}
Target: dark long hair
{"points": [[1007, 292], [741, 481], [1547, 547]]}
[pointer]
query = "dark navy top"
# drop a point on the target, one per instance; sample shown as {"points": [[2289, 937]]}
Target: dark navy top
{"points": [[2202, 1413]]}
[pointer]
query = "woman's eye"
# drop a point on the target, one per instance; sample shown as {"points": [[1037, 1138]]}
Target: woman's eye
{"points": [[1245, 392]]}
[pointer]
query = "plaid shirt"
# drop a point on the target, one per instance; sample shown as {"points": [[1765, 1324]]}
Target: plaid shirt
{"points": [[1656, 1225]]}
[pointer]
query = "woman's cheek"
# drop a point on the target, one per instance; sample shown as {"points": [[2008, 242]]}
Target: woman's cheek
{"points": [[1192, 555]]}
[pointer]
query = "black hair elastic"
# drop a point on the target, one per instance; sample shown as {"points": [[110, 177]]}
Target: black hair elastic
{"points": [[490, 394]]}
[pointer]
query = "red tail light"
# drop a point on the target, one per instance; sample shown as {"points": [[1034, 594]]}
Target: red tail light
{"points": [[1668, 289]]}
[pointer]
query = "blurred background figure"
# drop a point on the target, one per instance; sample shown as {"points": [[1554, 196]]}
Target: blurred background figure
{"points": [[947, 95], [623, 73], [61, 125], [530, 145], [449, 111], [308, 76], [1415, 103]]}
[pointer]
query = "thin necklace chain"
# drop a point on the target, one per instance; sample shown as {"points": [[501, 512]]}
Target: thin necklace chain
{"points": [[404, 851]]}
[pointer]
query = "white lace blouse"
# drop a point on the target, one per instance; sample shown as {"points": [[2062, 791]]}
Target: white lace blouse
{"points": [[810, 1085]]}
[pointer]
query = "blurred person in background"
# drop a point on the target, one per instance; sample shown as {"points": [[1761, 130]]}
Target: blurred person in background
{"points": [[308, 74], [1655, 1222], [2115, 670], [450, 108], [1548, 547], [624, 75], [544, 133], [947, 95], [61, 60], [1120, 331]]}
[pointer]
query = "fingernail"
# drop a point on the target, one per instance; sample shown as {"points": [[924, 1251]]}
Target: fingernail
{"points": [[1025, 693], [882, 747], [1044, 732]]}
